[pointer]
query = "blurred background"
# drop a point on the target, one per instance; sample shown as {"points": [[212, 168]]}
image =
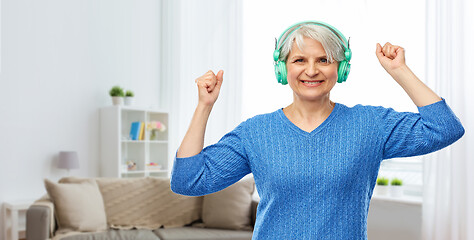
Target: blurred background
{"points": [[58, 60]]}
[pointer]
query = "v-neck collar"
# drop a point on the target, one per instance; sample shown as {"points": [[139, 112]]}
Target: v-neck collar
{"points": [[317, 129]]}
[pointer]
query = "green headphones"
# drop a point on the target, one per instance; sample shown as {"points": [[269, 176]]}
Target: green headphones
{"points": [[280, 66]]}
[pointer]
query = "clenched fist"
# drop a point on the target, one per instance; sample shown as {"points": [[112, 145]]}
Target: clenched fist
{"points": [[209, 86], [390, 56]]}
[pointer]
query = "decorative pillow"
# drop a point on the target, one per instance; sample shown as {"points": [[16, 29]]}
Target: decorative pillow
{"points": [[144, 203], [229, 208], [78, 206]]}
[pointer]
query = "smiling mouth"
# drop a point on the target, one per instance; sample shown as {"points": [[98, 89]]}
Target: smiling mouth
{"points": [[312, 82]]}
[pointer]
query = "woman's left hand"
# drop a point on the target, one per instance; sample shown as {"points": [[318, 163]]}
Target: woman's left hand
{"points": [[390, 56]]}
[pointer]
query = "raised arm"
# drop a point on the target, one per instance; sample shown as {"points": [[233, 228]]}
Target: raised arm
{"points": [[411, 134], [392, 59], [197, 171], [209, 86]]}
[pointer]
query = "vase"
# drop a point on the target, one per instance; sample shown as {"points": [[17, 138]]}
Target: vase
{"points": [[396, 191], [128, 101], [117, 100], [154, 135], [381, 190]]}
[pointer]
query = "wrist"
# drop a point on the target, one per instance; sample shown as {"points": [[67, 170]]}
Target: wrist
{"points": [[401, 73], [204, 108]]}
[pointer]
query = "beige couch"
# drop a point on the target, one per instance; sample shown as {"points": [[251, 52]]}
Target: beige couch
{"points": [[139, 208]]}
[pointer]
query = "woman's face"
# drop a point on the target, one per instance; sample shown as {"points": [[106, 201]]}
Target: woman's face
{"points": [[310, 75]]}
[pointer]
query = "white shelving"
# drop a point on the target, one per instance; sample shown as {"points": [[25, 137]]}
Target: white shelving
{"points": [[117, 149]]}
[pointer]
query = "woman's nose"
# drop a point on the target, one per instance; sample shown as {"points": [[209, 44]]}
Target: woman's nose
{"points": [[312, 69]]}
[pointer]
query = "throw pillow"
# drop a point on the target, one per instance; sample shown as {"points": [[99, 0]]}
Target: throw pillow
{"points": [[78, 206], [229, 208], [144, 203]]}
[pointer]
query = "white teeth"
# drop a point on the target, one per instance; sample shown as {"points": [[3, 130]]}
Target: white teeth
{"points": [[312, 83]]}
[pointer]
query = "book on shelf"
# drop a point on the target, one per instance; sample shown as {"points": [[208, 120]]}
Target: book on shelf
{"points": [[142, 131], [135, 130]]}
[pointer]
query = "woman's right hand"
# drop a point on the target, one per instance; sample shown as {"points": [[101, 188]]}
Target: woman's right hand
{"points": [[209, 86]]}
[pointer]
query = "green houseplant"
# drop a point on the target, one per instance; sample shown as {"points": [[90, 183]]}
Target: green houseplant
{"points": [[382, 181], [129, 94], [396, 182], [382, 186], [396, 189], [116, 92], [129, 98]]}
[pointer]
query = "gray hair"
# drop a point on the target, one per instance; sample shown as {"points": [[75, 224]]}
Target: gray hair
{"points": [[331, 43]]}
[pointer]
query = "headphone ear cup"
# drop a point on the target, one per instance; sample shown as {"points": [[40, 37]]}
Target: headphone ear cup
{"points": [[277, 72], [280, 72], [343, 71]]}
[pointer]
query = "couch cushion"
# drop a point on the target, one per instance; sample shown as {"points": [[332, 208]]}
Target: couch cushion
{"points": [[230, 208], [146, 203], [111, 235], [185, 233], [78, 206]]}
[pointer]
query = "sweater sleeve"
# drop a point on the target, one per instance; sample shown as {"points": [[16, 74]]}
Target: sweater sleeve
{"points": [[411, 134], [216, 167]]}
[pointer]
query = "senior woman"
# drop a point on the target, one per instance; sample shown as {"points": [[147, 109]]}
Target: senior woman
{"points": [[315, 162]]}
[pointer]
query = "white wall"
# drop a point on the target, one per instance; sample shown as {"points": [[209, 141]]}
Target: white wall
{"points": [[59, 59]]}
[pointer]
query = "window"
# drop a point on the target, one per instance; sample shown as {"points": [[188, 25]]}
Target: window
{"points": [[366, 22]]}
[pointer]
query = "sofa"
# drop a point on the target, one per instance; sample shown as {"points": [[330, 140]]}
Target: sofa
{"points": [[139, 208]]}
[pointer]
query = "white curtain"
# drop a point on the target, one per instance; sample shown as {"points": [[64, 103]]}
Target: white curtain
{"points": [[199, 36], [448, 194]]}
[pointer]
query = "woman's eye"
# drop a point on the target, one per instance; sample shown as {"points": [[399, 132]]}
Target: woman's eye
{"points": [[324, 60], [298, 60]]}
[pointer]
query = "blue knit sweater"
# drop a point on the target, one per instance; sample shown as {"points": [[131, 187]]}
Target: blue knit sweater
{"points": [[315, 185]]}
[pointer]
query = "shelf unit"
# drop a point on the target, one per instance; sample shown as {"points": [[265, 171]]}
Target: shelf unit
{"points": [[117, 149]]}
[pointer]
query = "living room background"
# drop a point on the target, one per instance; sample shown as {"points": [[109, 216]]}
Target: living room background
{"points": [[60, 58]]}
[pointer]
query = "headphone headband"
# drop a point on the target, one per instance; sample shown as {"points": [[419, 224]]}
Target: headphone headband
{"points": [[297, 26]]}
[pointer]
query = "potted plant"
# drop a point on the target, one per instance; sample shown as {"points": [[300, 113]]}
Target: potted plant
{"points": [[396, 189], [382, 186], [117, 95], [129, 98]]}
